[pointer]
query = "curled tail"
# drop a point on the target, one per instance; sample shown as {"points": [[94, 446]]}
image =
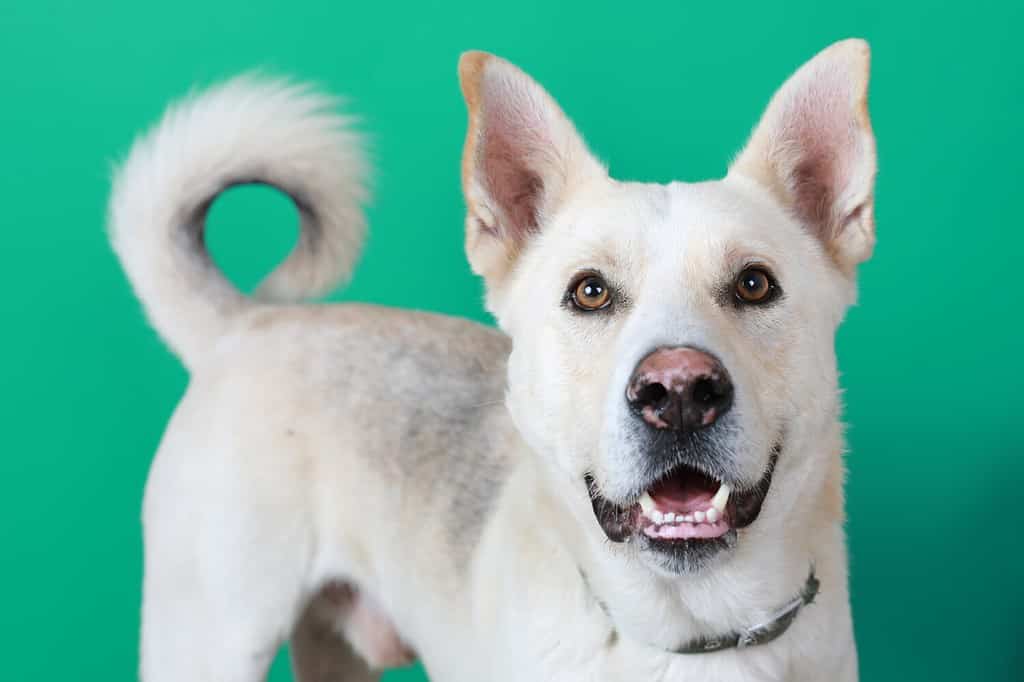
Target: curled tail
{"points": [[244, 131]]}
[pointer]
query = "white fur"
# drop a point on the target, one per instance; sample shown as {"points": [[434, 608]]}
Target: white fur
{"points": [[369, 449]]}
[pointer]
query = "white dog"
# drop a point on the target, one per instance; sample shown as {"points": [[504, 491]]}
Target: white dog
{"points": [[639, 479]]}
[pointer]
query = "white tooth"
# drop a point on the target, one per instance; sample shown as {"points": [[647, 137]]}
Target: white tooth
{"points": [[698, 516], [712, 515], [721, 498], [657, 516], [688, 518], [646, 504], [670, 517]]}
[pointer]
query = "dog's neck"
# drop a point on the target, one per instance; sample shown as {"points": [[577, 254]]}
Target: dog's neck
{"points": [[754, 584], [758, 633], [738, 602]]}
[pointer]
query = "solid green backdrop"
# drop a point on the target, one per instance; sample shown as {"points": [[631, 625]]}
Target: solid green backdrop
{"points": [[931, 358]]}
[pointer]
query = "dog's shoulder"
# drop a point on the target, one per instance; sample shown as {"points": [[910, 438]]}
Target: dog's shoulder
{"points": [[421, 395]]}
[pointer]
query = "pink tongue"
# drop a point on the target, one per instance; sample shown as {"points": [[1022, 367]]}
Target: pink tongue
{"points": [[687, 492]]}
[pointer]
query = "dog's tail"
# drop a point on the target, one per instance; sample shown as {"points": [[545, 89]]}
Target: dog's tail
{"points": [[247, 130]]}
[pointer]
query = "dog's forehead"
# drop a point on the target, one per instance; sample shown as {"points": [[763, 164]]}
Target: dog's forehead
{"points": [[719, 209], [654, 222]]}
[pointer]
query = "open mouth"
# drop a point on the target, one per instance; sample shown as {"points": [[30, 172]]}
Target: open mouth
{"points": [[686, 504], [683, 506]]}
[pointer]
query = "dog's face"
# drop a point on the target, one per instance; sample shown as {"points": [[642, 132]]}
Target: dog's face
{"points": [[668, 338]]}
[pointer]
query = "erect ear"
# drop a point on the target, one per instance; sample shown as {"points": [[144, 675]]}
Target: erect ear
{"points": [[814, 150], [522, 159]]}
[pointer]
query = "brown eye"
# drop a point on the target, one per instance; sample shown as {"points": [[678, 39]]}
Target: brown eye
{"points": [[754, 285], [591, 293]]}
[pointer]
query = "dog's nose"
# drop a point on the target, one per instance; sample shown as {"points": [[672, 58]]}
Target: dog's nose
{"points": [[682, 389]]}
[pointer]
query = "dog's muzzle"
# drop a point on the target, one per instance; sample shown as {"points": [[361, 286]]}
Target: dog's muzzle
{"points": [[692, 496]]}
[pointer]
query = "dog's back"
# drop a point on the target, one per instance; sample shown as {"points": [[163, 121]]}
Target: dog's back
{"points": [[410, 404]]}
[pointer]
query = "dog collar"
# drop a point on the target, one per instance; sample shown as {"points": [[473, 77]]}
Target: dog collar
{"points": [[761, 633]]}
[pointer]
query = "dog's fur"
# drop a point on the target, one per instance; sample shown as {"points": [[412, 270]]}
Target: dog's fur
{"points": [[376, 485]]}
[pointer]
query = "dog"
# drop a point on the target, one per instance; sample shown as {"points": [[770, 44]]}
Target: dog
{"points": [[638, 476]]}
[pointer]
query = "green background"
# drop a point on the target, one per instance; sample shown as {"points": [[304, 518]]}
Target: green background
{"points": [[931, 358]]}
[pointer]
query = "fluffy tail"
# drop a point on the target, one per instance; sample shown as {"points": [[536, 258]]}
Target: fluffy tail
{"points": [[244, 131]]}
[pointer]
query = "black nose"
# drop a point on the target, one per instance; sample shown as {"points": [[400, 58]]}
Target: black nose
{"points": [[682, 389]]}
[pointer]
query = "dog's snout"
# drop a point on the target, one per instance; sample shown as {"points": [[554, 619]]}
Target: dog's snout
{"points": [[682, 389]]}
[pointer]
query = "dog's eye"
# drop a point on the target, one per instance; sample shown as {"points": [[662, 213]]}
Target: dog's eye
{"points": [[590, 293], [755, 286]]}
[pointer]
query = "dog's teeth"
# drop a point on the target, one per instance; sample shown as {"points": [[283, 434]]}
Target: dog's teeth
{"points": [[670, 517], [646, 504], [712, 515], [699, 516], [657, 516], [721, 498], [688, 518]]}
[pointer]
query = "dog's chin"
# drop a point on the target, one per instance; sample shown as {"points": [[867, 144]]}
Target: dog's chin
{"points": [[677, 557], [686, 519]]}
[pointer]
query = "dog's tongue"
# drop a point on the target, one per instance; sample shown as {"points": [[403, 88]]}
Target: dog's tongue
{"points": [[687, 492]]}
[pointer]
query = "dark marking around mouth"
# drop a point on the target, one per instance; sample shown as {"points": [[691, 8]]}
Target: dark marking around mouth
{"points": [[745, 505], [615, 520], [620, 522]]}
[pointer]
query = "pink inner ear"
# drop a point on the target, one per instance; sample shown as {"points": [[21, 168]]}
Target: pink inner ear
{"points": [[817, 149], [514, 187], [511, 153]]}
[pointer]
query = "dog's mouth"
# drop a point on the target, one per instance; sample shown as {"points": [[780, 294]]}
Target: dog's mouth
{"points": [[684, 506]]}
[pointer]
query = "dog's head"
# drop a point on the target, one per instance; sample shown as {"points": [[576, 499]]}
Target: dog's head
{"points": [[673, 344]]}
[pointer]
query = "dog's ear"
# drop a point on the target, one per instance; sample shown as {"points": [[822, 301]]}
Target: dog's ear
{"points": [[521, 160], [814, 150]]}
